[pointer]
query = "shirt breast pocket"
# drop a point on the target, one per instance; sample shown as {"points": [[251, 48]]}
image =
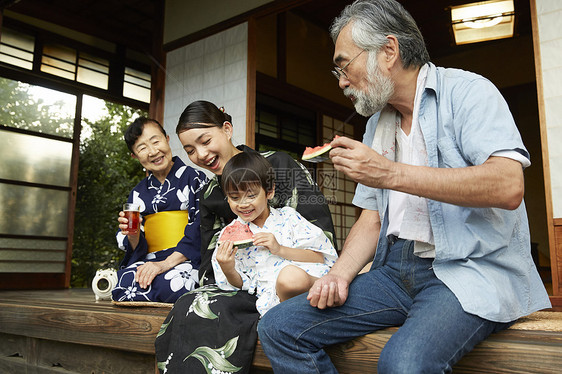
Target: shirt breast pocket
{"points": [[450, 155]]}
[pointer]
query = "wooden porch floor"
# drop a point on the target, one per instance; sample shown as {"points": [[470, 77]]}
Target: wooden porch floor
{"points": [[67, 331]]}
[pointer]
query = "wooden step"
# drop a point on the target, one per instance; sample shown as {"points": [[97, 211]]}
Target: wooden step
{"points": [[68, 331]]}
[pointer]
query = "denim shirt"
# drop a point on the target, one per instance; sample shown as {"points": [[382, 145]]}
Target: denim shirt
{"points": [[482, 254]]}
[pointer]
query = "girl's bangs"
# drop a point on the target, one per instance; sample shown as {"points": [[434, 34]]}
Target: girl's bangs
{"points": [[241, 180]]}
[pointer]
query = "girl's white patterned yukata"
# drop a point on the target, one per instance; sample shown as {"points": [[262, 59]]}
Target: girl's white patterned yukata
{"points": [[259, 268]]}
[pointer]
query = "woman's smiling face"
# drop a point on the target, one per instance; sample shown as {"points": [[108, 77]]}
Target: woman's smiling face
{"points": [[153, 151], [209, 147]]}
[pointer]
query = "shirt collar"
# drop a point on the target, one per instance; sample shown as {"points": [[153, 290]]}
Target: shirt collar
{"points": [[431, 80]]}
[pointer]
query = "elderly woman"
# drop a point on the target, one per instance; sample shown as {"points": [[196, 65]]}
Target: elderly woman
{"points": [[208, 317], [162, 259]]}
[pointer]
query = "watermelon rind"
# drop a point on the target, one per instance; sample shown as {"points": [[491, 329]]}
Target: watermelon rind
{"points": [[319, 152], [242, 243]]}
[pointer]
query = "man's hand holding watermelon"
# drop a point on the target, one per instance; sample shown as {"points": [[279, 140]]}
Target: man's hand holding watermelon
{"points": [[361, 163]]}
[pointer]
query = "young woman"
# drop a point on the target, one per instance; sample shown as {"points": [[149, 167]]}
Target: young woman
{"points": [[205, 132], [162, 259], [288, 252]]}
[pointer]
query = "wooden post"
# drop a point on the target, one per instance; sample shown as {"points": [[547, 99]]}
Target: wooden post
{"points": [[554, 225], [158, 69], [251, 84]]}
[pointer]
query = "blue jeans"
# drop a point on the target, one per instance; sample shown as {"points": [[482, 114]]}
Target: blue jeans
{"points": [[435, 331]]}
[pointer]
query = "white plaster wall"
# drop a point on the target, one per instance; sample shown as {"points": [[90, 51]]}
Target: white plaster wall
{"points": [[549, 15], [212, 69]]}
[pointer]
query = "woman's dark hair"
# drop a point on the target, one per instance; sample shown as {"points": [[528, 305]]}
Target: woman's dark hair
{"points": [[201, 114], [246, 170], [135, 130]]}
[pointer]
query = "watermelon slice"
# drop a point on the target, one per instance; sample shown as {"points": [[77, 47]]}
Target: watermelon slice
{"points": [[315, 154], [238, 233]]}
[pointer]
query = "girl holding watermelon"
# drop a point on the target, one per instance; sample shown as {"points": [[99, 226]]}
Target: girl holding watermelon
{"points": [[185, 344], [288, 253]]}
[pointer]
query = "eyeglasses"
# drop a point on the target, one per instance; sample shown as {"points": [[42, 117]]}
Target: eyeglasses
{"points": [[338, 72]]}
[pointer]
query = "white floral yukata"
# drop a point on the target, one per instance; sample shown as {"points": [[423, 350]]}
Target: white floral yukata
{"points": [[259, 268], [179, 192]]}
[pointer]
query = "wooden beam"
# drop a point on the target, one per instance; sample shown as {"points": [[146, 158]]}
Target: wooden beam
{"points": [[555, 245], [556, 302], [79, 322], [251, 84], [158, 70], [20, 354], [556, 261], [273, 7], [509, 351], [33, 281], [74, 188], [109, 27], [282, 47]]}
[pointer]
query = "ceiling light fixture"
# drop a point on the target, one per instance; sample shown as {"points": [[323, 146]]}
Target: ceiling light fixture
{"points": [[485, 20]]}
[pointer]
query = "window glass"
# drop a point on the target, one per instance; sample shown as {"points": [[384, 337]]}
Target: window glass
{"points": [[33, 211], [59, 60], [16, 48], [137, 85], [266, 123], [277, 120], [34, 159], [93, 71], [289, 130], [72, 63], [338, 188], [36, 108]]}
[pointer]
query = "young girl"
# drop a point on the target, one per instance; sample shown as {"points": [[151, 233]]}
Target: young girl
{"points": [[288, 252]]}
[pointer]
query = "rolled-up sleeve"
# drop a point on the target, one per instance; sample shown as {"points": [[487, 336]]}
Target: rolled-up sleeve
{"points": [[365, 197]]}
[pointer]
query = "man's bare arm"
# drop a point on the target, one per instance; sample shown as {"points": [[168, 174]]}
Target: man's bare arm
{"points": [[359, 248], [498, 182]]}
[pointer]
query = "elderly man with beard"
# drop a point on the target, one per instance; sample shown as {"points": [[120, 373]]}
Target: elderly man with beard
{"points": [[440, 175]]}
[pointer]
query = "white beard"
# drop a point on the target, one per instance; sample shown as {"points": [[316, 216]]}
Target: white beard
{"points": [[379, 91]]}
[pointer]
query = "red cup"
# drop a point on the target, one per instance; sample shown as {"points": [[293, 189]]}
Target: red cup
{"points": [[132, 213]]}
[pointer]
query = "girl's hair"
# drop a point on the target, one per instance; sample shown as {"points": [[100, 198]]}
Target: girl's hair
{"points": [[373, 20], [202, 114], [135, 129], [247, 170]]}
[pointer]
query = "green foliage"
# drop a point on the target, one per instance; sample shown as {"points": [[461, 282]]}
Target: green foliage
{"points": [[21, 110], [106, 175]]}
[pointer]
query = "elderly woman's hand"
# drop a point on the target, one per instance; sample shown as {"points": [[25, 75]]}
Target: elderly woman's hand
{"points": [[123, 226], [148, 271]]}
